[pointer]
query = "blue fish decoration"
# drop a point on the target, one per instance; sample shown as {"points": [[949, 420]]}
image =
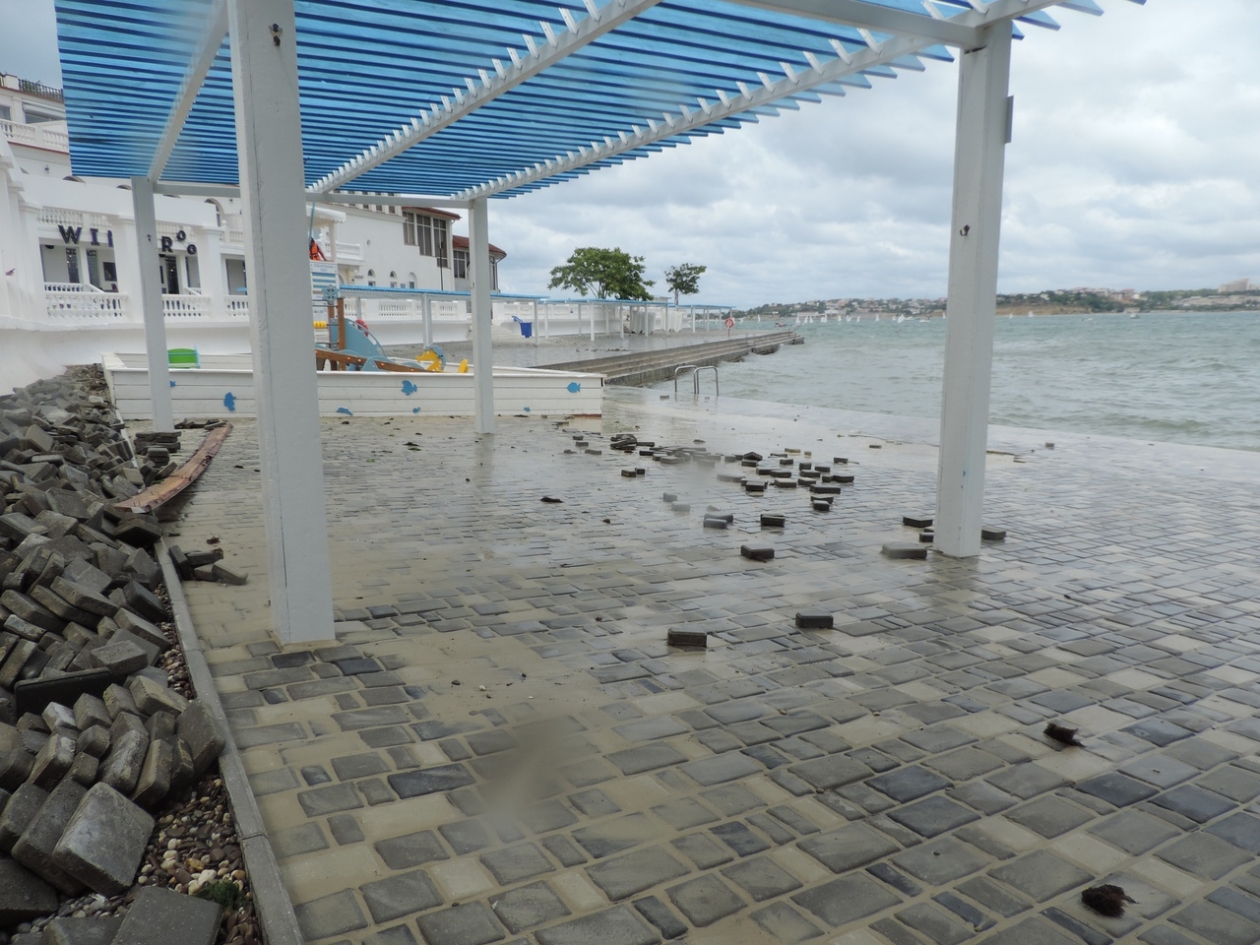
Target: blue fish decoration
{"points": [[573, 387], [229, 401], [409, 388], [172, 383], [345, 410], [415, 409]]}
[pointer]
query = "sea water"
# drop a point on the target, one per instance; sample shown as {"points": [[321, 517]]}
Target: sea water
{"points": [[1179, 378]]}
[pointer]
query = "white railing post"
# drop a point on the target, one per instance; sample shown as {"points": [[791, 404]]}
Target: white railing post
{"points": [[479, 307], [150, 298], [269, 146], [979, 156], [427, 302]]}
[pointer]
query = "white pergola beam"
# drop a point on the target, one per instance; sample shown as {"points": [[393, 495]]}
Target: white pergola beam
{"points": [[979, 163], [269, 147], [190, 189], [488, 87], [147, 256], [216, 28], [394, 200], [951, 32], [767, 93]]}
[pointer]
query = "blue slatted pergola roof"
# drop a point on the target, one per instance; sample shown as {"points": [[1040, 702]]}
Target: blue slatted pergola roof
{"points": [[475, 98]]}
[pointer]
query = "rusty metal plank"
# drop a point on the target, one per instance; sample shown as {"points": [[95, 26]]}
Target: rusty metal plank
{"points": [[180, 479]]}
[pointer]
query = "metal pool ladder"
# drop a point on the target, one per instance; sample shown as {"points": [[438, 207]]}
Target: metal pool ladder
{"points": [[694, 371]]}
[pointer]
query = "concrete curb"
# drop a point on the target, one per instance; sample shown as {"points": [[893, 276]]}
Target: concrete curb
{"points": [[276, 916]]}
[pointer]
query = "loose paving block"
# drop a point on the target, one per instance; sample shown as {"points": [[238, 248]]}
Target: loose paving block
{"points": [[140, 600], [814, 618], [772, 520], [143, 629], [52, 762], [34, 848], [121, 658], [904, 550], [992, 533], [156, 913], [104, 841], [84, 598], [23, 895], [86, 931], [688, 639], [400, 895], [757, 551], [917, 521], [121, 769], [155, 775], [228, 575], [203, 735], [151, 697]]}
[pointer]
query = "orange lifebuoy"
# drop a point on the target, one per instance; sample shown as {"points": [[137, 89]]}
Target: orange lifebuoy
{"points": [[730, 322]]}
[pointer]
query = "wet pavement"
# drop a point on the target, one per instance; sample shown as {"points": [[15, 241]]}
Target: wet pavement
{"points": [[501, 747]]}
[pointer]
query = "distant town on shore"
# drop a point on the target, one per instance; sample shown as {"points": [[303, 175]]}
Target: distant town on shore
{"points": [[1242, 295]]}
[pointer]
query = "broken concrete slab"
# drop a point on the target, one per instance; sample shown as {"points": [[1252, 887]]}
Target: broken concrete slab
{"points": [[104, 841]]}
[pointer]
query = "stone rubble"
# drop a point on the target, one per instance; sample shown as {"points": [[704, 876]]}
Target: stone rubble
{"points": [[98, 728]]}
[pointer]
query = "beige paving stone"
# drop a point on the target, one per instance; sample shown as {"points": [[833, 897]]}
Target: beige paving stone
{"points": [[328, 871], [1169, 878], [1030, 746], [665, 703], [867, 731], [767, 790], [801, 865], [1229, 740], [637, 793], [578, 891], [1075, 764], [1232, 674], [1093, 855], [986, 724], [461, 879], [1056, 678], [856, 937], [1178, 643], [1135, 679], [1010, 834], [1095, 720]]}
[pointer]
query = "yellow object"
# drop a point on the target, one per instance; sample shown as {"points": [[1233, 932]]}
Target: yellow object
{"points": [[463, 366], [431, 360], [321, 324]]}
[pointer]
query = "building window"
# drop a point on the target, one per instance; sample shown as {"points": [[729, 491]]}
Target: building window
{"points": [[409, 228], [459, 269], [72, 264], [393, 280], [6, 113], [371, 277], [430, 234]]}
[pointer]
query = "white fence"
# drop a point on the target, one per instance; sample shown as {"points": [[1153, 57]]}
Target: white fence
{"points": [[35, 136], [84, 304]]}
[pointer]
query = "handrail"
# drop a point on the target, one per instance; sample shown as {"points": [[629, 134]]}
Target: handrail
{"points": [[680, 370], [695, 379]]}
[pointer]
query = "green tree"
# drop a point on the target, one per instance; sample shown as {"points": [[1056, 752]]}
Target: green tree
{"points": [[608, 273], [684, 279]]}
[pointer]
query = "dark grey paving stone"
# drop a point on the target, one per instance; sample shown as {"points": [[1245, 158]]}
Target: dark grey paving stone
{"points": [[831, 771], [983, 796], [941, 861], [762, 878], [1158, 731], [594, 803], [1134, 832], [1041, 875], [965, 764], [304, 838], [1160, 770], [491, 742], [647, 729], [414, 849], [330, 915], [1117, 789], [646, 758], [702, 851], [661, 916], [1200, 753], [321, 801], [613, 836], [848, 848], [937, 924], [365, 765], [933, 817], [786, 924], [623, 876], [1203, 855], [1050, 816], [732, 799], [469, 924], [430, 780], [705, 900], [528, 907], [684, 813], [548, 816], [1237, 903], [1026, 780], [721, 768], [1034, 931], [1233, 782], [616, 926], [993, 896], [1217, 925], [908, 784], [1194, 802], [516, 863], [739, 838], [400, 895], [465, 836], [1242, 830], [846, 899], [345, 829], [938, 738]]}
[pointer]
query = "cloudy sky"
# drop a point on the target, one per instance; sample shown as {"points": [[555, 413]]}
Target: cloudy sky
{"points": [[1135, 163]]}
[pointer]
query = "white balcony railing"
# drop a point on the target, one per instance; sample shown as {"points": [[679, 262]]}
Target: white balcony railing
{"points": [[238, 308], [186, 306], [349, 252], [78, 305], [83, 287], [35, 136]]}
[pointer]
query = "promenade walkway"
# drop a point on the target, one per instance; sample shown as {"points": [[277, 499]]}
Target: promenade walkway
{"points": [[501, 747]]}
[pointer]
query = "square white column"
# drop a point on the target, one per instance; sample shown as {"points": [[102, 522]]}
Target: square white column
{"points": [[269, 145], [979, 162], [149, 297], [479, 276]]}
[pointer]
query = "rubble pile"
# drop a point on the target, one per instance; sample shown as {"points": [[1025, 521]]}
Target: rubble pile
{"points": [[94, 736]]}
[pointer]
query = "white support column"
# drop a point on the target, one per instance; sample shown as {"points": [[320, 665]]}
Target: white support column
{"points": [[150, 299], [427, 302], [979, 155], [269, 142], [479, 276]]}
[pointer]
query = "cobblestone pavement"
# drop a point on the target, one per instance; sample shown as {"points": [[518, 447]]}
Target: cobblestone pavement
{"points": [[501, 747]]}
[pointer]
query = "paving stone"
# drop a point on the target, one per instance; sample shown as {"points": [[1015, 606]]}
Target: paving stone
{"points": [[1040, 875], [86, 931], [846, 899], [430, 780], [1027, 780], [702, 851], [411, 850], [1203, 855], [104, 841], [1133, 831], [327, 916], [1034, 931], [329, 800], [684, 813], [907, 784], [155, 912], [646, 758], [23, 895], [201, 732], [1158, 731], [469, 924], [1117, 789], [937, 924], [761, 878], [848, 848], [528, 907], [830, 772], [1217, 925], [705, 900], [297, 840], [624, 876], [34, 848], [400, 895], [941, 861], [616, 926], [932, 817], [739, 838], [1195, 803], [564, 851], [1242, 830], [993, 896], [613, 836], [786, 924], [1050, 816], [516, 863]]}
